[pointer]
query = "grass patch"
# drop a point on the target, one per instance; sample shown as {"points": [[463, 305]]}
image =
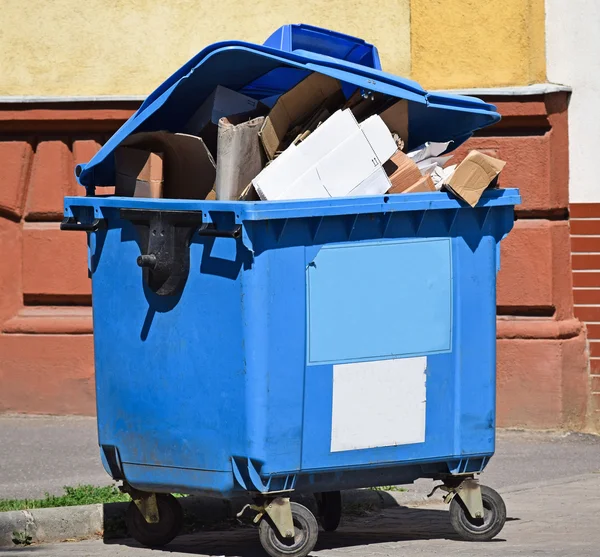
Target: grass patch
{"points": [[389, 488], [80, 495]]}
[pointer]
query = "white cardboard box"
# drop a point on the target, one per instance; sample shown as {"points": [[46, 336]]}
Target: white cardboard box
{"points": [[340, 158]]}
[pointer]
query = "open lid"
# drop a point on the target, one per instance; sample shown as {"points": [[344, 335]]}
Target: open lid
{"points": [[264, 72]]}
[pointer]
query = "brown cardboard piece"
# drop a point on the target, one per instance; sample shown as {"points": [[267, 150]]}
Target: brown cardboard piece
{"points": [[189, 169], [425, 184], [249, 194], [402, 172], [294, 105], [473, 175], [396, 119], [139, 173]]}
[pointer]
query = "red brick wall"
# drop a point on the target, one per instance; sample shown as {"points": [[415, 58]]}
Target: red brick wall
{"points": [[542, 360], [585, 246], [46, 349]]}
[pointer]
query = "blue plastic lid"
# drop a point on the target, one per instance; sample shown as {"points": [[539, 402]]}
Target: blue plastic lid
{"points": [[300, 37], [265, 72]]}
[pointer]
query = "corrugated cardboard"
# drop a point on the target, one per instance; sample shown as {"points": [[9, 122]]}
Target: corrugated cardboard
{"points": [[396, 119], [339, 158], [139, 173], [297, 103], [188, 167], [473, 175], [425, 184], [402, 172], [239, 154]]}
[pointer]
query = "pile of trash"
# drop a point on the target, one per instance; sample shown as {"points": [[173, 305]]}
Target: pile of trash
{"points": [[311, 143]]}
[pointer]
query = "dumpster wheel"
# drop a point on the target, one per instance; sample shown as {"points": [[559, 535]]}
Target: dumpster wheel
{"points": [[156, 534], [330, 509], [479, 529], [306, 531]]}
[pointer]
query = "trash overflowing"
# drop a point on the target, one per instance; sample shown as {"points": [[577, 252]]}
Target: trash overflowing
{"points": [[312, 143]]}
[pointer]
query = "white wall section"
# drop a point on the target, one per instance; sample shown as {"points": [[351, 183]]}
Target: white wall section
{"points": [[573, 58]]}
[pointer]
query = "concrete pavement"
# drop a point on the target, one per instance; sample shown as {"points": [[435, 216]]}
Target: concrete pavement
{"points": [[550, 482], [41, 454]]}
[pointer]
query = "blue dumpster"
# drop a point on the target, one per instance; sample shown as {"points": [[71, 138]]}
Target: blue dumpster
{"points": [[267, 348]]}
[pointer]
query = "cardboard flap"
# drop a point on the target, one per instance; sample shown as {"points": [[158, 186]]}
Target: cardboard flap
{"points": [[188, 167], [396, 119], [380, 138], [473, 175], [139, 173], [298, 102]]}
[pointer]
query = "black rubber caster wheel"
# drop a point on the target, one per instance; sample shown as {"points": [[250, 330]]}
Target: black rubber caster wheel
{"points": [[330, 510], [159, 534], [479, 529], [306, 532]]}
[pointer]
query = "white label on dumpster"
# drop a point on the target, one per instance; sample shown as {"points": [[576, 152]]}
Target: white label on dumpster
{"points": [[378, 404]]}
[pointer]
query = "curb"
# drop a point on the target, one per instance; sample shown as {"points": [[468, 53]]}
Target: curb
{"points": [[89, 521]]}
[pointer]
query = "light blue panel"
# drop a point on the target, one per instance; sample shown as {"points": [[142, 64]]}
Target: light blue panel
{"points": [[379, 300]]}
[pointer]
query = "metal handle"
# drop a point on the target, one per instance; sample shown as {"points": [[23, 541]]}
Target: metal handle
{"points": [[210, 230], [71, 223]]}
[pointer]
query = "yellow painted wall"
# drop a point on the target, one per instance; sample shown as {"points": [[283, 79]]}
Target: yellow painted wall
{"points": [[128, 47], [477, 43]]}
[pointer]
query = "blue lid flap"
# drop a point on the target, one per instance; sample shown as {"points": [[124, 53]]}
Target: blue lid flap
{"points": [[263, 73], [300, 37]]}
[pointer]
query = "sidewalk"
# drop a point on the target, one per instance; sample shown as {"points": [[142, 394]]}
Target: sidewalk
{"points": [[550, 482], [43, 454]]}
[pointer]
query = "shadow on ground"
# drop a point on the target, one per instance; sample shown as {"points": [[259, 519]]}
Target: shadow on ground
{"points": [[372, 528]]}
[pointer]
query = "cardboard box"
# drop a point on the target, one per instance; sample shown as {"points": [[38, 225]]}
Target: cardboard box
{"points": [[296, 104], [139, 173], [188, 169], [340, 158], [473, 175], [425, 184], [402, 172]]}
